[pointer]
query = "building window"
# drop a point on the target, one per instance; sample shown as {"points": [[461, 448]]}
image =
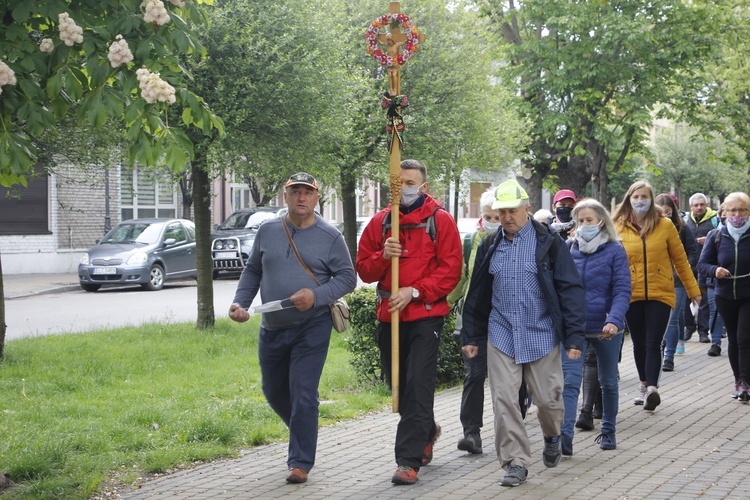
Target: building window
{"points": [[147, 193], [25, 210]]}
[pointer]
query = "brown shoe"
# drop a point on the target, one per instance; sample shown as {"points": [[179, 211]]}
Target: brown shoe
{"points": [[296, 476]]}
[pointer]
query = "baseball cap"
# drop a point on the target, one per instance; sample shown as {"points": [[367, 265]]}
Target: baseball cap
{"points": [[562, 194], [509, 194], [302, 178]]}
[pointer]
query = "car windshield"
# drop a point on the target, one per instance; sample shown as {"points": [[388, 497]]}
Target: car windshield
{"points": [[135, 232], [236, 220], [255, 220]]}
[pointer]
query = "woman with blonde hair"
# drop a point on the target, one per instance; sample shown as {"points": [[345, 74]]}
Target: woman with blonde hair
{"points": [[726, 255], [653, 247]]}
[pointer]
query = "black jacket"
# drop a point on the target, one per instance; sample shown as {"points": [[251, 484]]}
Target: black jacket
{"points": [[558, 279]]}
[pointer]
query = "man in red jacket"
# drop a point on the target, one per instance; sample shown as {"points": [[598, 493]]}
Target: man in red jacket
{"points": [[429, 248]]}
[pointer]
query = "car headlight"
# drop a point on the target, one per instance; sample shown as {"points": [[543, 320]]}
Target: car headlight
{"points": [[230, 244], [85, 259], [138, 258], [218, 245]]}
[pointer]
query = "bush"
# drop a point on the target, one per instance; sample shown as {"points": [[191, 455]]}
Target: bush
{"points": [[362, 342]]}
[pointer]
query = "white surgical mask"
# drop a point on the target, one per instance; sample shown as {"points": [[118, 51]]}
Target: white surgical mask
{"points": [[641, 207], [410, 195], [490, 226]]}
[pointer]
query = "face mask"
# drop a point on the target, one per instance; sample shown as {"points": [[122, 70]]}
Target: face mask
{"points": [[737, 221], [410, 195], [490, 226], [564, 214], [588, 233], [641, 207], [737, 231]]}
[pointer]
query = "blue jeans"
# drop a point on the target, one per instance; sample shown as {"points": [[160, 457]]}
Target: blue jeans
{"points": [[608, 355], [291, 362], [676, 324], [717, 326]]}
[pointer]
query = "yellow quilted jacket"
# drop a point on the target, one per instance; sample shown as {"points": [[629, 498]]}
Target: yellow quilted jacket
{"points": [[651, 262]]}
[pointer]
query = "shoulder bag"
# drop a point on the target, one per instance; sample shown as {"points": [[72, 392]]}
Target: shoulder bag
{"points": [[339, 309]]}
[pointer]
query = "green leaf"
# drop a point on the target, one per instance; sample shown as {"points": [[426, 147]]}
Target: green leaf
{"points": [[54, 85]]}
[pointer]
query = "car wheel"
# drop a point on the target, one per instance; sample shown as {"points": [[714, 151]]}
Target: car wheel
{"points": [[90, 288], [155, 278]]}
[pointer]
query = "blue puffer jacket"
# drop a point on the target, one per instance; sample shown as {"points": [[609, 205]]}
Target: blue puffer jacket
{"points": [[731, 255], [606, 281], [557, 277]]}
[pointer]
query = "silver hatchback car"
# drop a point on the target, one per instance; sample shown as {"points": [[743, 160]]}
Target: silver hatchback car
{"points": [[144, 252]]}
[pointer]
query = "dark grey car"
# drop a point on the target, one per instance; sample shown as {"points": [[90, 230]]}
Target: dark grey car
{"points": [[144, 252]]}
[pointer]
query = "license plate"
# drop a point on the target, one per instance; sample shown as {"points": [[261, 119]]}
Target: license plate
{"points": [[226, 255], [105, 270]]}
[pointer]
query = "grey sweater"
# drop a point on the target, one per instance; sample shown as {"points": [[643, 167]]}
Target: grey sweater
{"points": [[274, 269]]}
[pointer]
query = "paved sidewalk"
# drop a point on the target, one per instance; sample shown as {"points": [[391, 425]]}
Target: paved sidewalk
{"points": [[25, 285], [694, 445]]}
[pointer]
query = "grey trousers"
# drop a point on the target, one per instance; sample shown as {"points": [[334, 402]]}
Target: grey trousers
{"points": [[544, 379]]}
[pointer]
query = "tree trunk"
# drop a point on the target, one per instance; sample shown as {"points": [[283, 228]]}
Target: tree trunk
{"points": [[348, 179], [3, 326], [202, 217], [534, 190], [574, 174]]}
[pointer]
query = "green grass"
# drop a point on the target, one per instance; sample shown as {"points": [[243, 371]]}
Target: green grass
{"points": [[81, 412]]}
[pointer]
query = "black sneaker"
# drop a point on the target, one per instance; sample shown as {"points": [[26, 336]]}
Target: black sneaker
{"points": [[703, 338], [585, 421], [714, 350], [552, 451], [471, 443], [516, 475], [687, 336], [668, 365]]}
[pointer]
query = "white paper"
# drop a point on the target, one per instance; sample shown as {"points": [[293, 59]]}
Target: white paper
{"points": [[274, 305], [693, 309]]}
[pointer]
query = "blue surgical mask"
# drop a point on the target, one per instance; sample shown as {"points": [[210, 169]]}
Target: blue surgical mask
{"points": [[588, 233], [641, 207], [410, 195], [490, 226]]}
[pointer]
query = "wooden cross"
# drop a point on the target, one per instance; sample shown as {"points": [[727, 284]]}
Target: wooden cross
{"points": [[393, 42]]}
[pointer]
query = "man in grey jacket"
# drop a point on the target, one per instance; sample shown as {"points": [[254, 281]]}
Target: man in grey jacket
{"points": [[294, 341]]}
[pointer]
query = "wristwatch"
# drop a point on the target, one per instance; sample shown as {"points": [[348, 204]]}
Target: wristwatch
{"points": [[414, 293]]}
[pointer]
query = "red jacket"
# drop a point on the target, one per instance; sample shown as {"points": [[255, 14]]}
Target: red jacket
{"points": [[433, 268]]}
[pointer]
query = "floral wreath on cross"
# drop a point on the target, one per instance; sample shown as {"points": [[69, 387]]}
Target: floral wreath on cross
{"points": [[412, 39]]}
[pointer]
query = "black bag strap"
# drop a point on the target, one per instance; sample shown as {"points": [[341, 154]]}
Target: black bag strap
{"points": [[294, 247]]}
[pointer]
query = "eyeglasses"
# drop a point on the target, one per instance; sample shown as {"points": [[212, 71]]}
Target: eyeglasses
{"points": [[736, 211]]}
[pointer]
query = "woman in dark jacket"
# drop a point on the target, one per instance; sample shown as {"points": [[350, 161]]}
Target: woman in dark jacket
{"points": [[673, 337], [603, 266], [726, 255]]}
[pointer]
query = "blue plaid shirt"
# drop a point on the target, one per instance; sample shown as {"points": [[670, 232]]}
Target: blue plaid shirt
{"points": [[520, 324]]}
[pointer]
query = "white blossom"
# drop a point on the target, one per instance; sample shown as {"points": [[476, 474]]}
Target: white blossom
{"points": [[153, 88], [119, 52], [70, 32], [178, 3], [7, 76], [154, 12], [47, 45]]}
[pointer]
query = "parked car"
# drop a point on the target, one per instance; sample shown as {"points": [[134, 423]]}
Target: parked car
{"points": [[233, 239], [361, 224], [144, 252]]}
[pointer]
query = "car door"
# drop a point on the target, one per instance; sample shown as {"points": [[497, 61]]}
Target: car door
{"points": [[179, 258]]}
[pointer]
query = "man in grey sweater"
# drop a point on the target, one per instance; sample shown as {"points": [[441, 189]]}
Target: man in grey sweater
{"points": [[293, 342]]}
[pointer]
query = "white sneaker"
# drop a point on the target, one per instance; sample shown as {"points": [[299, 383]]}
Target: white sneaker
{"points": [[641, 398]]}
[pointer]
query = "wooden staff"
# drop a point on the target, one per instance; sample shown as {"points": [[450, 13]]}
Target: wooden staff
{"points": [[394, 41]]}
